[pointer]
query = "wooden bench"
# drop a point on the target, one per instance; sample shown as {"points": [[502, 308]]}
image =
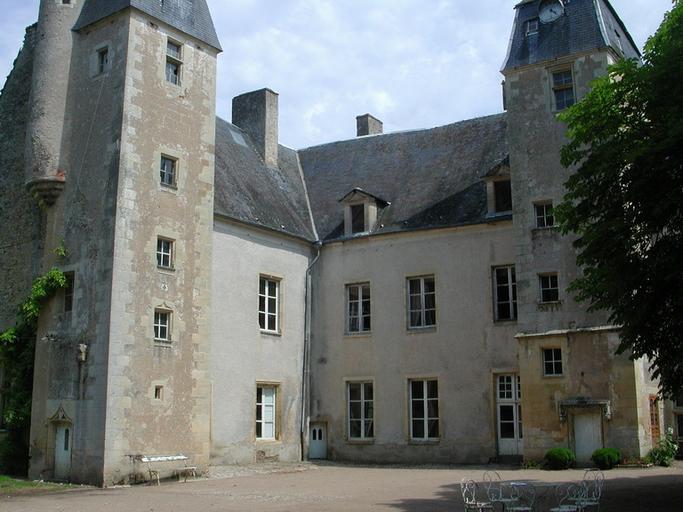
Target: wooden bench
{"points": [[185, 470]]}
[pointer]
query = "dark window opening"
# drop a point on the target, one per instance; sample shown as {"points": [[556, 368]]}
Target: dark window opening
{"points": [[357, 218], [69, 292], [502, 190]]}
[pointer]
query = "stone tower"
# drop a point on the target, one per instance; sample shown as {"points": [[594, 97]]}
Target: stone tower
{"points": [[120, 151]]}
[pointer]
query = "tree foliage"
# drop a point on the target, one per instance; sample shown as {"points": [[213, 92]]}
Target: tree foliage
{"points": [[17, 347], [625, 200]]}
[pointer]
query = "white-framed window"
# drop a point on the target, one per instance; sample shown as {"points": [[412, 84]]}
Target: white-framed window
{"points": [[421, 302], [266, 412], [563, 89], [424, 408], [549, 288], [269, 304], [358, 218], [162, 325], [545, 217], [361, 410], [164, 253], [502, 193], [358, 318], [532, 27], [103, 60], [552, 362], [168, 171], [505, 293], [173, 62], [509, 407], [69, 292]]}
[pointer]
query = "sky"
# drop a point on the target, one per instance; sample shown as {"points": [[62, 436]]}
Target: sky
{"points": [[411, 63]]}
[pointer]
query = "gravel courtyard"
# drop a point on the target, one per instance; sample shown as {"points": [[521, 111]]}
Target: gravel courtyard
{"points": [[328, 487]]}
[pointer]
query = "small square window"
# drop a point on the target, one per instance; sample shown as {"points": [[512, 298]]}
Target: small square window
{"points": [[168, 171], [266, 412], [162, 325], [563, 89], [165, 253], [358, 318], [552, 362], [421, 302], [69, 292], [502, 191], [269, 304], [549, 288], [102, 60], [544, 215]]}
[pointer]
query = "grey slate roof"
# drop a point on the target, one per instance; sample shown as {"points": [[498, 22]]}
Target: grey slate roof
{"points": [[432, 178], [579, 31], [248, 191], [189, 16]]}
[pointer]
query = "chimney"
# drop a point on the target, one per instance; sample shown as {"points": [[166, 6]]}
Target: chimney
{"points": [[368, 125], [257, 114]]}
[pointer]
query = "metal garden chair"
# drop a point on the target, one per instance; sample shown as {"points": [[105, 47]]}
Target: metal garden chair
{"points": [[469, 496]]}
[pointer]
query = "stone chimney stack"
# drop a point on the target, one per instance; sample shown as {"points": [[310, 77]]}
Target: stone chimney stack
{"points": [[257, 114], [368, 125]]}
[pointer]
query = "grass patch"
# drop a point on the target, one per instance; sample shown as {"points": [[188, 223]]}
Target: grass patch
{"points": [[9, 486]]}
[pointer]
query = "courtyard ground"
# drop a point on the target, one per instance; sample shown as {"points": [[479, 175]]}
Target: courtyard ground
{"points": [[332, 487]]}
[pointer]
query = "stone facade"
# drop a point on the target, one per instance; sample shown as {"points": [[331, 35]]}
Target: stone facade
{"points": [[390, 298]]}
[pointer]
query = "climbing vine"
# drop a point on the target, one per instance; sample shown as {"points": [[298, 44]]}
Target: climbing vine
{"points": [[17, 347]]}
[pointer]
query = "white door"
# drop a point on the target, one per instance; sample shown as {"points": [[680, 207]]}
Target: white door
{"points": [[63, 451], [317, 448], [509, 415], [587, 436]]}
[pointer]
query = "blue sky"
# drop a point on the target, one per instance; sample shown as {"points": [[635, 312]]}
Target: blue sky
{"points": [[412, 63]]}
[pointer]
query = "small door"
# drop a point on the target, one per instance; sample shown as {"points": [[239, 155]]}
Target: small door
{"points": [[587, 436], [654, 420], [63, 435], [317, 448], [509, 415]]}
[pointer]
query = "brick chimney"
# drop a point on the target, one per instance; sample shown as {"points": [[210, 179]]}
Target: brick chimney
{"points": [[368, 125], [257, 114]]}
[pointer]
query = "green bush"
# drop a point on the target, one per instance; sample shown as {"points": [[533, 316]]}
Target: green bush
{"points": [[663, 454], [606, 458], [559, 458]]}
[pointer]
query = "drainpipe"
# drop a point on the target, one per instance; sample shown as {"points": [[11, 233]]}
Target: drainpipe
{"points": [[305, 373]]}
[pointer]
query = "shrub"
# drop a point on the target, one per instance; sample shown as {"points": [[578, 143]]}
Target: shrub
{"points": [[663, 454], [559, 458], [606, 458]]}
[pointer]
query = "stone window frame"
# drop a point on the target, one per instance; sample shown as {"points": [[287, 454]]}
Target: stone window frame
{"points": [[552, 362], [163, 171], [158, 325], [423, 309], [512, 292], [364, 326], [264, 309], [161, 253], [426, 418], [260, 408], [174, 58], [544, 214], [367, 422], [545, 287], [561, 86]]}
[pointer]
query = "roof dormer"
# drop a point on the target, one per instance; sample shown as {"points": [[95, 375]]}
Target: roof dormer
{"points": [[499, 189], [361, 210]]}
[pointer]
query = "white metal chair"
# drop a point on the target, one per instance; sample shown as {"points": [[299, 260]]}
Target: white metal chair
{"points": [[469, 496], [498, 491], [525, 497], [569, 498], [593, 481]]}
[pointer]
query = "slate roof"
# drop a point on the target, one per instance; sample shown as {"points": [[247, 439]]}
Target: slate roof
{"points": [[432, 178], [248, 191], [579, 31], [189, 16]]}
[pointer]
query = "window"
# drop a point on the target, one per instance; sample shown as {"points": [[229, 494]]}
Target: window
{"points": [[654, 419], [168, 171], [162, 325], [358, 218], [505, 293], [158, 392], [265, 412], [550, 290], [173, 62], [268, 300], [164, 253], [532, 27], [421, 302], [102, 60], [358, 308], [69, 292], [552, 362], [361, 423], [563, 89], [544, 215], [679, 399], [509, 408], [424, 409], [502, 192]]}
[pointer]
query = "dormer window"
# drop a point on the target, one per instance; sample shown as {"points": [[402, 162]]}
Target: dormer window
{"points": [[502, 191], [499, 188], [361, 211], [532, 27]]}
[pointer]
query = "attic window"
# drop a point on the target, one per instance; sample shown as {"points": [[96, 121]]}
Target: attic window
{"points": [[358, 218], [502, 191], [532, 27], [618, 40]]}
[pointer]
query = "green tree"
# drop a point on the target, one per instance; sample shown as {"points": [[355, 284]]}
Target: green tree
{"points": [[624, 203]]}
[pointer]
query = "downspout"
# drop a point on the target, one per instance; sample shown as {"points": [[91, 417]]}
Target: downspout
{"points": [[305, 373]]}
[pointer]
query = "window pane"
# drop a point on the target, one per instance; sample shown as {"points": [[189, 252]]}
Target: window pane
{"points": [[369, 428], [366, 324], [272, 288], [367, 410], [357, 218], [353, 293], [272, 305], [432, 408], [353, 324], [418, 429], [415, 319], [415, 286], [262, 286], [415, 303], [355, 428], [430, 301], [432, 389], [416, 389], [503, 311], [259, 430], [430, 317], [433, 426], [366, 307], [366, 293], [429, 284], [507, 430], [354, 410], [368, 391], [418, 409], [262, 320], [272, 323], [354, 391]]}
